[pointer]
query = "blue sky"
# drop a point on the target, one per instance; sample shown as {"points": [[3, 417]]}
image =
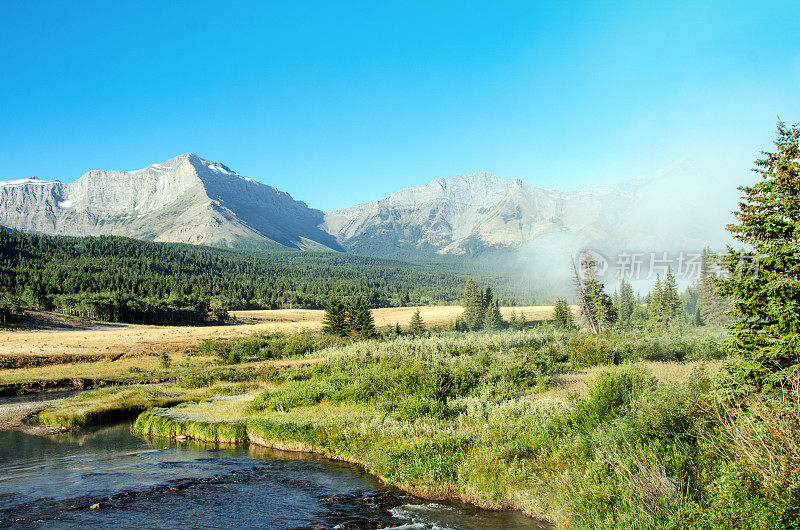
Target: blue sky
{"points": [[345, 102]]}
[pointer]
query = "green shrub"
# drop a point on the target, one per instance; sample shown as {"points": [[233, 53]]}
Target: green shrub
{"points": [[428, 461], [211, 347], [164, 360], [613, 391], [212, 377], [413, 407], [287, 396], [590, 351]]}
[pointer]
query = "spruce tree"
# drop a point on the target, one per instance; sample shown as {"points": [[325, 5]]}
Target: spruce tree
{"points": [[627, 302], [335, 320], [655, 307], [562, 315], [487, 299], [670, 301], [597, 308], [493, 319], [697, 320], [359, 318], [712, 305], [600, 304], [417, 326], [474, 310], [765, 315]]}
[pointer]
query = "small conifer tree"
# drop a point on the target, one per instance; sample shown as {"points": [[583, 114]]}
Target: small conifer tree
{"points": [[474, 311], [655, 307], [626, 303], [417, 326], [670, 300], [562, 315], [493, 319], [360, 319], [335, 320]]}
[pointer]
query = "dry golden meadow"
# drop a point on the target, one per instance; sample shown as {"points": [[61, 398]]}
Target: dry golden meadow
{"points": [[111, 340], [122, 347]]}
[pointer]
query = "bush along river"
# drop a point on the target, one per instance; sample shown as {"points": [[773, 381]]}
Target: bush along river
{"points": [[110, 477]]}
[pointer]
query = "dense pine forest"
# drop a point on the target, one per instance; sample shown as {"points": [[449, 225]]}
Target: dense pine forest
{"points": [[120, 279]]}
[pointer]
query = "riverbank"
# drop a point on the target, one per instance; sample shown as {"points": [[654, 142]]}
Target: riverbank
{"points": [[305, 431], [144, 482], [521, 420], [16, 415]]}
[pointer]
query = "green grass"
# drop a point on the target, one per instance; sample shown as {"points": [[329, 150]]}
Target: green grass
{"points": [[157, 422], [451, 414], [469, 416], [112, 404]]}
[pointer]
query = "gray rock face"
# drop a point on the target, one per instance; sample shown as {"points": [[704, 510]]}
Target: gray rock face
{"points": [[670, 211], [186, 199], [191, 200]]}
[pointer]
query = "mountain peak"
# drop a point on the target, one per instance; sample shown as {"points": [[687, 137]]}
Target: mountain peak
{"points": [[22, 182], [186, 199]]}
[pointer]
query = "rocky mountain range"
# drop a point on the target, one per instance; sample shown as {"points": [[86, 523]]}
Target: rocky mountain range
{"points": [[673, 210], [192, 200], [186, 199]]}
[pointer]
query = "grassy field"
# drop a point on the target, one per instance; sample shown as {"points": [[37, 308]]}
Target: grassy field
{"points": [[618, 430], [469, 416], [76, 338], [71, 348]]}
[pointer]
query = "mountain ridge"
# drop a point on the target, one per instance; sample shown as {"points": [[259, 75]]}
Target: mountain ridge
{"points": [[185, 199], [194, 200]]}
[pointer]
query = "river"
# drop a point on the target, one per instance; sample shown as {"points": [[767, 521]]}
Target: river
{"points": [[59, 481]]}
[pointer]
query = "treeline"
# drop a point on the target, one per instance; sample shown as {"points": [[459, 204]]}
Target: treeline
{"points": [[116, 307], [121, 279], [700, 304], [482, 311]]}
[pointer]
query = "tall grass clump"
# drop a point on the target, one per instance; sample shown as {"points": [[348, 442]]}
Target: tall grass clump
{"points": [[166, 424], [413, 377], [263, 347], [212, 377], [111, 404]]}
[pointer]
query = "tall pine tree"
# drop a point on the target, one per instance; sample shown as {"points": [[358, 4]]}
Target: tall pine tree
{"points": [[655, 306], [711, 305], [670, 300], [626, 302], [765, 315], [335, 320], [562, 315], [488, 298], [597, 308], [474, 310]]}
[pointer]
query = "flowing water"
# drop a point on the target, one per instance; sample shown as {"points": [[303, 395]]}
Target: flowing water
{"points": [[58, 481]]}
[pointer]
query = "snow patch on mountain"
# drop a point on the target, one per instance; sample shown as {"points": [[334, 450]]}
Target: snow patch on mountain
{"points": [[25, 182]]}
